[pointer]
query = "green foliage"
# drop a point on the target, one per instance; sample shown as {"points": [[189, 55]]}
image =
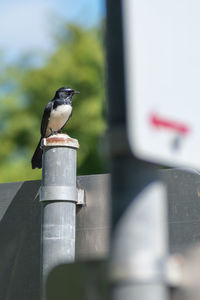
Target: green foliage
{"points": [[78, 62]]}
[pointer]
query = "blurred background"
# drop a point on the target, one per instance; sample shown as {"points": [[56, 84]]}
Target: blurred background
{"points": [[44, 45]]}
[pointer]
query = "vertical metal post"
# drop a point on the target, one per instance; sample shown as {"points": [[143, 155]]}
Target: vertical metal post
{"points": [[139, 232], [58, 198], [139, 214]]}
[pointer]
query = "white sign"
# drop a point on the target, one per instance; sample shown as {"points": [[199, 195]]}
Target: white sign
{"points": [[162, 63]]}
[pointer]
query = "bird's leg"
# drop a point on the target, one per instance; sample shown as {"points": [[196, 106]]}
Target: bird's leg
{"points": [[54, 132]]}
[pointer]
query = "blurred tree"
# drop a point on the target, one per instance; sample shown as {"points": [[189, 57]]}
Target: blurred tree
{"points": [[78, 62]]}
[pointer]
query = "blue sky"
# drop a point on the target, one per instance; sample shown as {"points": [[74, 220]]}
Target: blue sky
{"points": [[27, 25]]}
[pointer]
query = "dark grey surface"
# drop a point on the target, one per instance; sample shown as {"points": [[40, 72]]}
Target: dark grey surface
{"points": [[20, 233], [92, 220], [183, 208], [20, 226]]}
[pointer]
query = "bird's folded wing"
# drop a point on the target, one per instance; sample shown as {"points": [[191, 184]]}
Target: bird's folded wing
{"points": [[45, 118]]}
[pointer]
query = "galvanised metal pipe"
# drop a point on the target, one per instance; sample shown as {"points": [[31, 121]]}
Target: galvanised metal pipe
{"points": [[58, 196], [139, 231]]}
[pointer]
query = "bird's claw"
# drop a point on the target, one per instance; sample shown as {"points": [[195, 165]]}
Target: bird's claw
{"points": [[53, 132]]}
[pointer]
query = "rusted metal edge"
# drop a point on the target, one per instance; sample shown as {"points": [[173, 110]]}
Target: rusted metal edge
{"points": [[63, 140]]}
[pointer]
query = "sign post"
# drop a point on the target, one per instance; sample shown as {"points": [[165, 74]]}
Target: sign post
{"points": [[139, 215]]}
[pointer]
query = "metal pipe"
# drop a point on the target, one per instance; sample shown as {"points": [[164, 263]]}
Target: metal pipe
{"points": [[139, 214], [58, 196], [139, 232]]}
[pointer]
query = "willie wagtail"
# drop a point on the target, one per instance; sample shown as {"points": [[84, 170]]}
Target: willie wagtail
{"points": [[56, 114]]}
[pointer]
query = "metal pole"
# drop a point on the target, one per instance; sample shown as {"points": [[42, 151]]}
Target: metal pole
{"points": [[58, 198], [139, 210], [139, 232]]}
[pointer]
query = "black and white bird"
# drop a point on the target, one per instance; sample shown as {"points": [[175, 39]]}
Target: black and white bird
{"points": [[56, 114]]}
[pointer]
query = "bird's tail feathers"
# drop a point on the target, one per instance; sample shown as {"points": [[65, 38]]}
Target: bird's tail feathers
{"points": [[36, 160]]}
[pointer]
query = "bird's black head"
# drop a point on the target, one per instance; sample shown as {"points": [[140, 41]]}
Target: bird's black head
{"points": [[65, 93]]}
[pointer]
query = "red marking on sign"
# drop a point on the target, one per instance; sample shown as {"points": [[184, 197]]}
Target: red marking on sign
{"points": [[157, 122]]}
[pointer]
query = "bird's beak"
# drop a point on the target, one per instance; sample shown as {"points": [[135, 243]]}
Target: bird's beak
{"points": [[76, 92]]}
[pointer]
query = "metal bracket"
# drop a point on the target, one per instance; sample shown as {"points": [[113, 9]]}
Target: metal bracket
{"points": [[138, 271], [58, 193], [62, 193], [81, 197]]}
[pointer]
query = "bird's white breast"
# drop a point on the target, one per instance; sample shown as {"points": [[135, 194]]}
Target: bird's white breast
{"points": [[58, 118]]}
